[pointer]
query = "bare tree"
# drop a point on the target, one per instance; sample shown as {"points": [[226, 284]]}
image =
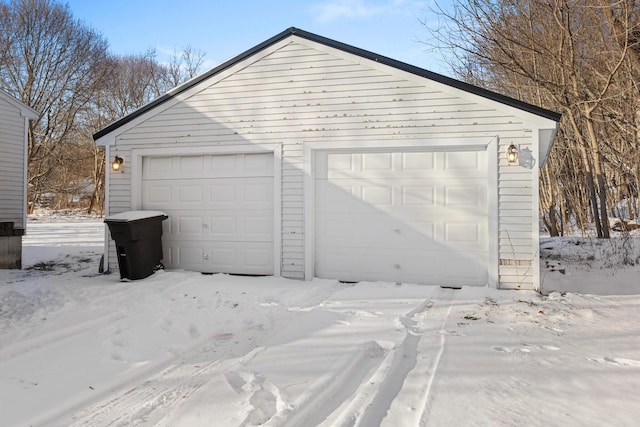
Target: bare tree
{"points": [[184, 65], [570, 56], [61, 68], [49, 61], [130, 82]]}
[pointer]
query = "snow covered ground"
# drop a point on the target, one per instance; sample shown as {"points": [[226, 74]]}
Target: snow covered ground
{"points": [[182, 349]]}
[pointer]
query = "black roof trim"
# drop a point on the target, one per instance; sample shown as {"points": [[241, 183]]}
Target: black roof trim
{"points": [[494, 96]]}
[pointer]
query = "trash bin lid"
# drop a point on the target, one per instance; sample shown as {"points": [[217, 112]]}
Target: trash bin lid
{"points": [[134, 216]]}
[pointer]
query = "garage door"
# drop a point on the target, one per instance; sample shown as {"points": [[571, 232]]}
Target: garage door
{"points": [[220, 209], [413, 217]]}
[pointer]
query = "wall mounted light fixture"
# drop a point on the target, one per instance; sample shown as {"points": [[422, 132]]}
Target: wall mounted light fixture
{"points": [[116, 165], [512, 154]]}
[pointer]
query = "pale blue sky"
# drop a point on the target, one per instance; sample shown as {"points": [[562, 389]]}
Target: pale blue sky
{"points": [[225, 28]]}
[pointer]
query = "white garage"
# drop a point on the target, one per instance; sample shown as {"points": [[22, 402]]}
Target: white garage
{"points": [[305, 157], [220, 208], [402, 216]]}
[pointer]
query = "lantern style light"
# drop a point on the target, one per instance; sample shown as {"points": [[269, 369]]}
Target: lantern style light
{"points": [[116, 165], [512, 154]]}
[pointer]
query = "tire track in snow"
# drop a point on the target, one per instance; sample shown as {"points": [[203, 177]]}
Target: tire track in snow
{"points": [[424, 414], [400, 370], [330, 391], [151, 401], [406, 389]]}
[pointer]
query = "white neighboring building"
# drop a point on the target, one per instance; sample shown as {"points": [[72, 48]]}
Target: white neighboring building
{"points": [[14, 122], [305, 157]]}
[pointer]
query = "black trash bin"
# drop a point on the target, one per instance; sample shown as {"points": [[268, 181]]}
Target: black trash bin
{"points": [[138, 239]]}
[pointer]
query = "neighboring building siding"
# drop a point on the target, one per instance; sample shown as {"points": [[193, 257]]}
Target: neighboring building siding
{"points": [[13, 140], [299, 93], [12, 149]]}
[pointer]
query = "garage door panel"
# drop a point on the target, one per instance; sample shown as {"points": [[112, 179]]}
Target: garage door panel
{"points": [[248, 165], [257, 165], [220, 208], [190, 165], [418, 196], [221, 258], [156, 167], [412, 266], [377, 162], [435, 267], [337, 227], [377, 195], [190, 194], [344, 194], [224, 164], [239, 259], [157, 195], [402, 200], [258, 193], [376, 165], [463, 234], [362, 231], [183, 224], [221, 226], [400, 194], [240, 193], [464, 161], [208, 166], [465, 196], [241, 227], [188, 224], [187, 257], [418, 162], [339, 263], [408, 217], [222, 193], [354, 196], [365, 229], [257, 259], [401, 165], [258, 227]]}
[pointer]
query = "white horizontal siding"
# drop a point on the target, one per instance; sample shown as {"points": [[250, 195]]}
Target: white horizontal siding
{"points": [[12, 152], [297, 93], [516, 228], [119, 195]]}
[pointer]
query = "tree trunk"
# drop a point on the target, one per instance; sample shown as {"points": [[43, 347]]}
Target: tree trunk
{"points": [[591, 190], [553, 222], [599, 173], [548, 202]]}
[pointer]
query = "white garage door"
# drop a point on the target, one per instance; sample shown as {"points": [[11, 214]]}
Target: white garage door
{"points": [[413, 217], [220, 209]]}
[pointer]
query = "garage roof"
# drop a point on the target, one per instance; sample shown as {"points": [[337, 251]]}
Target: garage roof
{"points": [[512, 102]]}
